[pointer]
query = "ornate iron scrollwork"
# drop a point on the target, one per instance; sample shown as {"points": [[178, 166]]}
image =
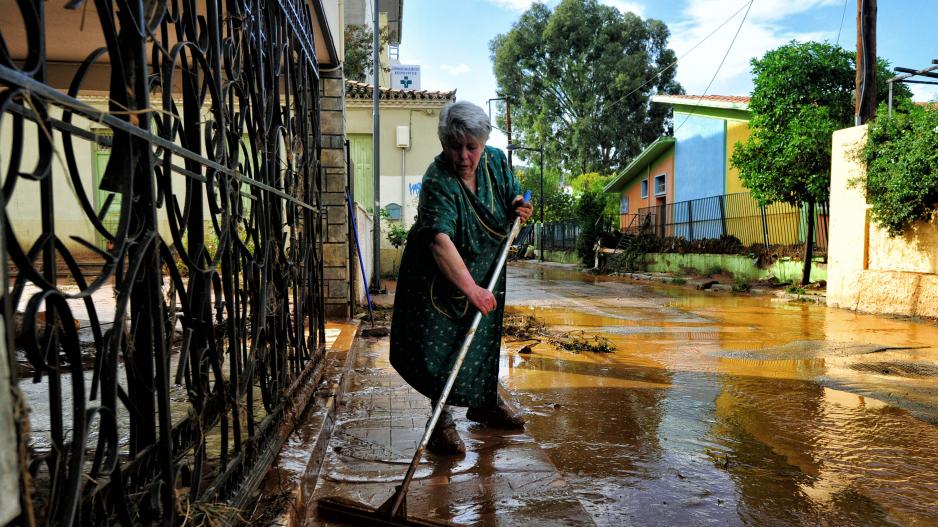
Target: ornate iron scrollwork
{"points": [[174, 342]]}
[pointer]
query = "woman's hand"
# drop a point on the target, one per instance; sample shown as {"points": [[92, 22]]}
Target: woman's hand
{"points": [[454, 269], [482, 299], [523, 209]]}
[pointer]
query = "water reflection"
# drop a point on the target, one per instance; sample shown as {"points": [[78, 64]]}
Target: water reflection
{"points": [[729, 410]]}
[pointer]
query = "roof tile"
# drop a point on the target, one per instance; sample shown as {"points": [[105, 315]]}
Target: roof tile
{"points": [[361, 90]]}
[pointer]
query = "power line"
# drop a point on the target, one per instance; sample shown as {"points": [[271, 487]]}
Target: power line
{"points": [[842, 15], [747, 5], [715, 73]]}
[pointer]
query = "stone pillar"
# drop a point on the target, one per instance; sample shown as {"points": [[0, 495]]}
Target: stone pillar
{"points": [[335, 180]]}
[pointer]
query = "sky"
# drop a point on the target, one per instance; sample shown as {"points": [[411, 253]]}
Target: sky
{"points": [[450, 39]]}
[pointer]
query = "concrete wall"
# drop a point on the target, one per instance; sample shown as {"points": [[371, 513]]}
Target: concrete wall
{"points": [[869, 271], [741, 267], [699, 157], [24, 205]]}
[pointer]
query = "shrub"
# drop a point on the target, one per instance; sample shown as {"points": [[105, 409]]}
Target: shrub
{"points": [[901, 154]]}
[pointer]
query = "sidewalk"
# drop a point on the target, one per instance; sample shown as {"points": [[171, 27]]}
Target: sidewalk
{"points": [[504, 478]]}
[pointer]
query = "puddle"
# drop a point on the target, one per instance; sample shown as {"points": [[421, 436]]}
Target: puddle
{"points": [[726, 410]]}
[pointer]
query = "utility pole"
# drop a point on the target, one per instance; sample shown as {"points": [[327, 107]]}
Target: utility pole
{"points": [[866, 62], [376, 149]]}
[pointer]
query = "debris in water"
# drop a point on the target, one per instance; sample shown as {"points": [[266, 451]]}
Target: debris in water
{"points": [[526, 327], [377, 331]]}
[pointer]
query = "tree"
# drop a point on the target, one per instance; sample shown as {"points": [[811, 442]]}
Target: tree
{"points": [[575, 77], [359, 51], [802, 93], [558, 205]]}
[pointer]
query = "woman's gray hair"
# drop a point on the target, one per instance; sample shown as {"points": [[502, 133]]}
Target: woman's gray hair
{"points": [[463, 119]]}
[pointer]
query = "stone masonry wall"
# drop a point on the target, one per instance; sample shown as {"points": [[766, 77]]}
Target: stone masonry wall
{"points": [[335, 180]]}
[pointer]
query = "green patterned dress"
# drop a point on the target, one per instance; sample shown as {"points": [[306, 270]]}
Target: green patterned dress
{"points": [[431, 317]]}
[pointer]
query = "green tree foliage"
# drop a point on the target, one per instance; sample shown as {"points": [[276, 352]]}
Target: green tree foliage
{"points": [[558, 205], [901, 155], [589, 213], [359, 51], [567, 74], [595, 182], [803, 92]]}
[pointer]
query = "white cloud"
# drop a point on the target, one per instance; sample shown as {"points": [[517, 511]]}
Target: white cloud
{"points": [[455, 70], [761, 32], [625, 7], [924, 92], [514, 5]]}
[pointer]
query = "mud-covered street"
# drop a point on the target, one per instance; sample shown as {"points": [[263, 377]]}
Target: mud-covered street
{"points": [[728, 409]]}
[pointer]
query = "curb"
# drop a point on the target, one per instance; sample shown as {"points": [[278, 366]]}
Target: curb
{"points": [[296, 468]]}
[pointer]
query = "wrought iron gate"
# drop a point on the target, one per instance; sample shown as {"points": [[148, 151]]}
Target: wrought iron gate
{"points": [[175, 359]]}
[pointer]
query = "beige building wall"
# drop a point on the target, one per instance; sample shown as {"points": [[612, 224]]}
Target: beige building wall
{"points": [[867, 270], [401, 168], [24, 205]]}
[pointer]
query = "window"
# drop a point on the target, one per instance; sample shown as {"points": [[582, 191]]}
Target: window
{"points": [[659, 185], [644, 188], [624, 204]]}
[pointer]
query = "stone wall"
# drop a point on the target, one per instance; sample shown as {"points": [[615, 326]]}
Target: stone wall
{"points": [[335, 181], [867, 270]]}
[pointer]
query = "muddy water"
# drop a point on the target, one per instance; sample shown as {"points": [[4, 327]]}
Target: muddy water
{"points": [[730, 410]]}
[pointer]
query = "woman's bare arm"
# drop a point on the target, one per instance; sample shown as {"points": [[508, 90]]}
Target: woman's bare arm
{"points": [[454, 269]]}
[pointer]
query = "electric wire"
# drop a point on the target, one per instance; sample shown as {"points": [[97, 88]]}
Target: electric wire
{"points": [[717, 72], [842, 16], [746, 6]]}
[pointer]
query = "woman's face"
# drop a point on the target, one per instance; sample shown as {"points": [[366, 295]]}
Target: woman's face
{"points": [[464, 153]]}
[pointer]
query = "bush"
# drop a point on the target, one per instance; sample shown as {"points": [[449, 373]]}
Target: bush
{"points": [[901, 155], [589, 213]]}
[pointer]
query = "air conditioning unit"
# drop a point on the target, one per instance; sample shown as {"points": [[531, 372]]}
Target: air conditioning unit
{"points": [[403, 137]]}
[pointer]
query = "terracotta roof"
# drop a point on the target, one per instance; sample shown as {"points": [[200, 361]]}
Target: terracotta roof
{"points": [[723, 98], [732, 102], [361, 90]]}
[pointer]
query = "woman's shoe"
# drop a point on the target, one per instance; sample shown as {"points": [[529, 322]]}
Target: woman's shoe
{"points": [[500, 416], [445, 440]]}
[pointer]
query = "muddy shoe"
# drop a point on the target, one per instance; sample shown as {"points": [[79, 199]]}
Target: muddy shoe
{"points": [[445, 440], [498, 417]]}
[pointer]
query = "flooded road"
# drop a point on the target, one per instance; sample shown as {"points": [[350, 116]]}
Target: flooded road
{"points": [[729, 410]]}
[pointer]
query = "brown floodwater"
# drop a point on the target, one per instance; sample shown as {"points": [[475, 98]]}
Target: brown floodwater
{"points": [[729, 410]]}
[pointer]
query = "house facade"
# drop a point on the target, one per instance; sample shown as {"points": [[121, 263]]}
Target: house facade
{"points": [[687, 186]]}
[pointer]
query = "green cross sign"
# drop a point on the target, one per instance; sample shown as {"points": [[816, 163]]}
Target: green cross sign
{"points": [[406, 81]]}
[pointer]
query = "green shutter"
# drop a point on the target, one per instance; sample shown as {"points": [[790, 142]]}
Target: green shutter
{"points": [[110, 217], [362, 155]]}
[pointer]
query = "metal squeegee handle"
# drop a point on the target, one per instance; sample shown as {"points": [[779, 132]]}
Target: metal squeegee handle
{"points": [[448, 387]]}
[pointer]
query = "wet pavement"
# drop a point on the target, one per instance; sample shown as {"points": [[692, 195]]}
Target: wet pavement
{"points": [[716, 409], [729, 410], [505, 478]]}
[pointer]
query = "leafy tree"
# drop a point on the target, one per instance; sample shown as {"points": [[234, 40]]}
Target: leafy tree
{"points": [[802, 93], [359, 51], [558, 205], [595, 182], [570, 75]]}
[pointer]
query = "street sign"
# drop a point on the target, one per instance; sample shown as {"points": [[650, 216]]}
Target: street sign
{"points": [[405, 77]]}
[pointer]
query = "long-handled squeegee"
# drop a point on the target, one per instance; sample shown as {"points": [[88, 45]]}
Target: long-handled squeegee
{"points": [[393, 512]]}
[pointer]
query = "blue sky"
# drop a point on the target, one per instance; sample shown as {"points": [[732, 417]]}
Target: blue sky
{"points": [[450, 39]]}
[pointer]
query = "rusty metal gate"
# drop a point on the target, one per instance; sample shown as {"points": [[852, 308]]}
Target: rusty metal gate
{"points": [[173, 347]]}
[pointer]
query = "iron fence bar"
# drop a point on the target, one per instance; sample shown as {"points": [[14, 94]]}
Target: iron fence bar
{"points": [[15, 78], [251, 308]]}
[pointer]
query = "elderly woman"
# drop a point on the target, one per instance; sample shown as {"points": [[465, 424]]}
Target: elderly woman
{"points": [[468, 201]]}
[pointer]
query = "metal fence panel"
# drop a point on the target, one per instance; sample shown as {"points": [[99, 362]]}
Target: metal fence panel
{"points": [[173, 358]]}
